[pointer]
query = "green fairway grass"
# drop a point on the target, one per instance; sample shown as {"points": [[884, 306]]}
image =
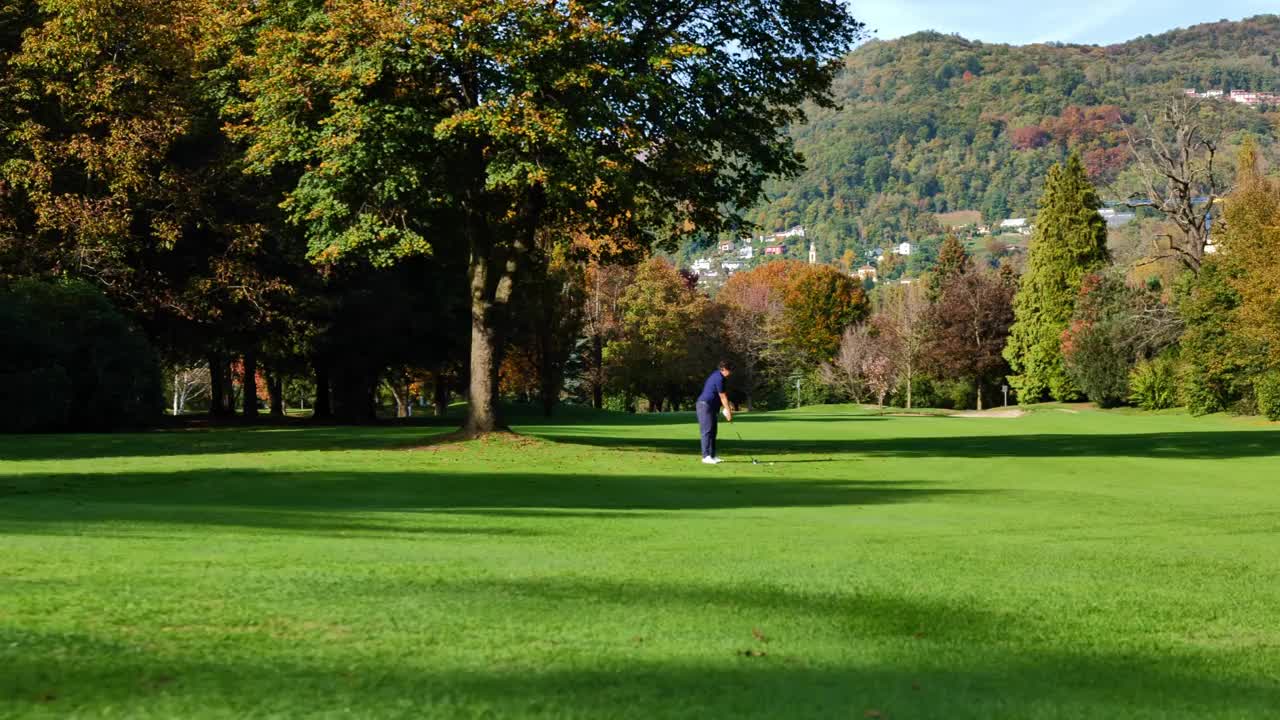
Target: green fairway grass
{"points": [[1065, 564]]}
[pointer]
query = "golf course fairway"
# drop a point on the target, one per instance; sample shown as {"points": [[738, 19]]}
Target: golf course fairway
{"points": [[1069, 563]]}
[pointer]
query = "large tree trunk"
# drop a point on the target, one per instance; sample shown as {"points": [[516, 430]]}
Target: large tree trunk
{"points": [[218, 390], [492, 268], [250, 384], [275, 390], [440, 401], [354, 390], [483, 413], [323, 405]]}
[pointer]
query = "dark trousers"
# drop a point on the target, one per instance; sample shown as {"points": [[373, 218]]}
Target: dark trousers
{"points": [[708, 422]]}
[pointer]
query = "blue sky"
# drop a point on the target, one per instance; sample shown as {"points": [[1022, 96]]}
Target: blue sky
{"points": [[1027, 21]]}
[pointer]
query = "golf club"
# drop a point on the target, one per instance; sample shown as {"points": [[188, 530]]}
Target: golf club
{"points": [[724, 411]]}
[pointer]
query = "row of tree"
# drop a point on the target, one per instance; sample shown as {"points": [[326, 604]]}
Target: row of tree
{"points": [[1209, 341], [355, 190]]}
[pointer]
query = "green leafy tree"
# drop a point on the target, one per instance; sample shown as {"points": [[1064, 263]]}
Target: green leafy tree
{"points": [[128, 181], [953, 261], [1070, 241], [1100, 344], [486, 123], [1216, 360]]}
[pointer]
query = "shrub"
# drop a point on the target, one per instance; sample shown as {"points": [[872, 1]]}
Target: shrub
{"points": [[1153, 384], [1201, 391], [1267, 391], [1097, 363], [72, 361]]}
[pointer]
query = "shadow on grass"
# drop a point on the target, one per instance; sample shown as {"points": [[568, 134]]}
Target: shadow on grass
{"points": [[903, 657], [1189, 445], [358, 502], [212, 441]]}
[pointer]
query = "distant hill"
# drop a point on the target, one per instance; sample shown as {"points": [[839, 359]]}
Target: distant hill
{"points": [[934, 123]]}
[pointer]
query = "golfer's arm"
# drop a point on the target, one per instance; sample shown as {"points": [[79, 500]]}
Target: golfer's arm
{"points": [[724, 403]]}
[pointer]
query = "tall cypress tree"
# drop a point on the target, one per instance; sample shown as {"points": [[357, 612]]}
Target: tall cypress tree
{"points": [[1070, 241]]}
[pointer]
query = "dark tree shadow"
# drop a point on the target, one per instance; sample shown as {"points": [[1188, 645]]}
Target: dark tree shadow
{"points": [[1189, 445], [317, 501], [931, 659]]}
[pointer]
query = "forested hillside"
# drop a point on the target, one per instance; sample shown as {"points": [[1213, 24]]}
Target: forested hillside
{"points": [[935, 123]]}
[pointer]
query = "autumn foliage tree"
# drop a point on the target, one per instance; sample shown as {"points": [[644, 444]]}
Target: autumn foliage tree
{"points": [[818, 305], [969, 326], [1252, 245], [754, 302], [417, 123], [668, 337]]}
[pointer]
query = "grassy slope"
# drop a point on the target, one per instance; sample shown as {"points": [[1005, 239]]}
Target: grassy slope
{"points": [[1056, 565]]}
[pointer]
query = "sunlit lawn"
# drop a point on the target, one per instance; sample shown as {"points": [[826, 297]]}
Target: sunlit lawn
{"points": [[1063, 564]]}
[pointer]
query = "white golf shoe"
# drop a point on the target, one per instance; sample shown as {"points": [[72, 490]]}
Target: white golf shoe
{"points": [[709, 461]]}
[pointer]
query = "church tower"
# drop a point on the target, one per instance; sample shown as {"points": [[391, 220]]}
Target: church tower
{"points": [[813, 254]]}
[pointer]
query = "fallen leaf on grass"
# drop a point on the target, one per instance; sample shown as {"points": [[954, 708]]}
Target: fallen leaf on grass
{"points": [[873, 714], [759, 635], [752, 653]]}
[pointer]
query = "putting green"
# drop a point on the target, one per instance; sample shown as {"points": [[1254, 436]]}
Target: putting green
{"points": [[1064, 564]]}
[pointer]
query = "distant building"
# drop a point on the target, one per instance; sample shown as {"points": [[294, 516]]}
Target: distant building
{"points": [[1018, 225], [726, 246], [731, 266], [1116, 219], [866, 271], [746, 253], [1242, 97], [701, 265], [813, 254], [774, 250], [902, 248]]}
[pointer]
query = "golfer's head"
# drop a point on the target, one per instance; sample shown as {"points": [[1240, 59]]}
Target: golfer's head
{"points": [[726, 368]]}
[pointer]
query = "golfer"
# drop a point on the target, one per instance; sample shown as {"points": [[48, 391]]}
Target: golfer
{"points": [[710, 403]]}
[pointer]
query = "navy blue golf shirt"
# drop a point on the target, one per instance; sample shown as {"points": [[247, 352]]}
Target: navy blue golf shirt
{"points": [[712, 389]]}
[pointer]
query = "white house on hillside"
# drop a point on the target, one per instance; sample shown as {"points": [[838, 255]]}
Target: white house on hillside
{"points": [[1018, 225], [746, 253], [902, 248], [701, 264]]}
